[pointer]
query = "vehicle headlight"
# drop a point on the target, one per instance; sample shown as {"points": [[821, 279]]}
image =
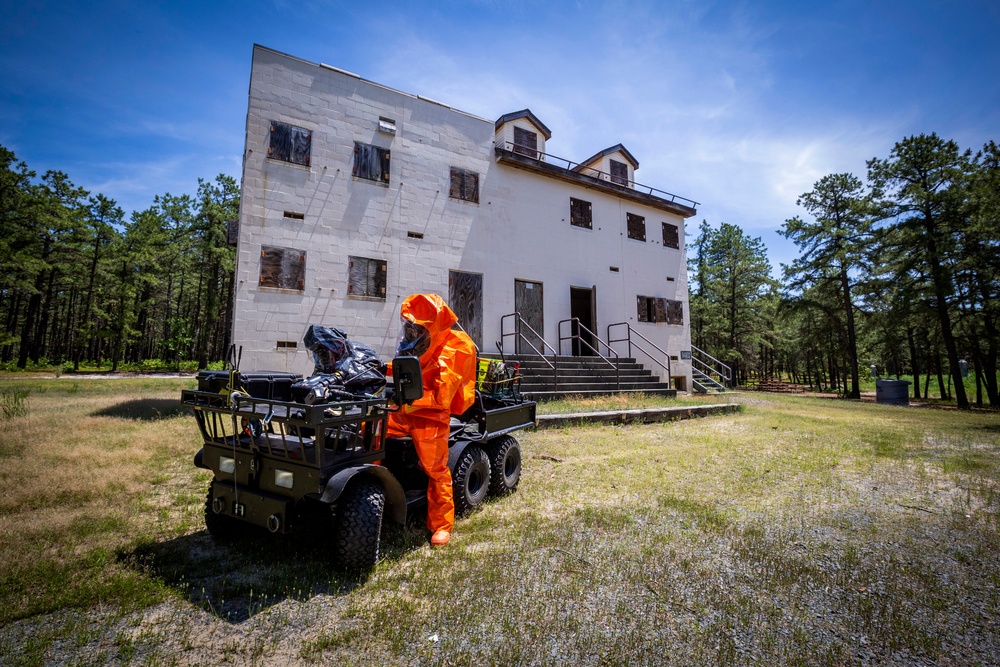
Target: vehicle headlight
{"points": [[227, 464], [283, 478]]}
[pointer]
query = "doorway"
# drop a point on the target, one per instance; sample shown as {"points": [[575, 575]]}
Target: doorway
{"points": [[465, 296], [528, 302], [583, 306]]}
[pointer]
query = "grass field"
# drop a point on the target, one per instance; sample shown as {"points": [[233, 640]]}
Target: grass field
{"points": [[798, 531]]}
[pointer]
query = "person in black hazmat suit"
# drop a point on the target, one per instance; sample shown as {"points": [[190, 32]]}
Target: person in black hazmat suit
{"points": [[346, 365]]}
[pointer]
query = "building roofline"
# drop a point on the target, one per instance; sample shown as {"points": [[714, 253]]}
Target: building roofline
{"points": [[608, 151], [507, 157], [368, 81], [524, 113]]}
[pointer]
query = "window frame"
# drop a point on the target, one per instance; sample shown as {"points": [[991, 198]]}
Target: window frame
{"points": [[581, 213], [458, 188], [289, 148], [529, 149], [671, 239], [282, 268], [635, 226], [375, 273], [656, 310], [620, 167], [362, 171]]}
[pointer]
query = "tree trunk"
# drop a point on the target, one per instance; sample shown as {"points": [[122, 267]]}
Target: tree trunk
{"points": [[941, 292], [852, 339], [914, 363]]}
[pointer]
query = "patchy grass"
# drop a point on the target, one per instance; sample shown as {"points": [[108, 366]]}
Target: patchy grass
{"points": [[798, 531], [625, 401]]}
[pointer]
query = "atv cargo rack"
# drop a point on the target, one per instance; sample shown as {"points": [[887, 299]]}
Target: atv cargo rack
{"points": [[314, 435], [328, 434]]}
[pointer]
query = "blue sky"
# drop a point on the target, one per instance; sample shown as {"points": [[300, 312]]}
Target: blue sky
{"points": [[740, 106]]}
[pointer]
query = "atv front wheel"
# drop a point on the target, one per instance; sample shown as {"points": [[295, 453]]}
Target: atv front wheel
{"points": [[471, 479], [505, 465], [359, 524]]}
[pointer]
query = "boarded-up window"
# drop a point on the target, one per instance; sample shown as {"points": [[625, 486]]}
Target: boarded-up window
{"points": [[290, 143], [371, 162], [636, 226], [464, 185], [619, 172], [671, 237], [675, 312], [284, 268], [465, 296], [580, 213], [644, 309], [366, 277], [525, 142], [654, 309]]}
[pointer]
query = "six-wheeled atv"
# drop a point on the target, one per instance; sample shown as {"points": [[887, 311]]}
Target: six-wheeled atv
{"points": [[276, 462]]}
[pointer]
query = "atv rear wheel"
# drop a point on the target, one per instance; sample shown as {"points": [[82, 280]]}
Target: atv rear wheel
{"points": [[359, 524], [471, 479], [222, 526], [505, 465]]}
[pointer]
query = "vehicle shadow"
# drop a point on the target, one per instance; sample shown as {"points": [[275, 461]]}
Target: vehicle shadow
{"points": [[144, 409], [240, 578]]}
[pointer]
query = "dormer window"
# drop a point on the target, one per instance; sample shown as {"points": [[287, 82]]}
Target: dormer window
{"points": [[619, 172], [525, 142]]}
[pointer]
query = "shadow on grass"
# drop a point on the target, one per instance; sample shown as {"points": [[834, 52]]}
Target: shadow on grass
{"points": [[240, 578], [144, 409]]}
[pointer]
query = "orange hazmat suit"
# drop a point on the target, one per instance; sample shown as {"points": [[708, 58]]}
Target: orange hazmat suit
{"points": [[448, 365]]}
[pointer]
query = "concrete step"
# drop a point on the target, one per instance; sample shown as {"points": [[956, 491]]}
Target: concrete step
{"points": [[586, 376], [641, 416], [567, 362], [651, 383], [548, 395]]}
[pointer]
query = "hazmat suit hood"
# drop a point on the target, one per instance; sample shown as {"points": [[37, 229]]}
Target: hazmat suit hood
{"points": [[427, 319]]}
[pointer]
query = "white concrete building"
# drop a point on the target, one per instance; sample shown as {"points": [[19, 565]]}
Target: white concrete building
{"points": [[355, 195]]}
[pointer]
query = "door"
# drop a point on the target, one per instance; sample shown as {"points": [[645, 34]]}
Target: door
{"points": [[465, 296], [528, 302], [582, 306]]}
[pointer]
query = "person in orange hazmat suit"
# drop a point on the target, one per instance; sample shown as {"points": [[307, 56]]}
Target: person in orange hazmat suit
{"points": [[448, 365]]}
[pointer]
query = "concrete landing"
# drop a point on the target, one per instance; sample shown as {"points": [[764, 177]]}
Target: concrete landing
{"points": [[642, 416]]}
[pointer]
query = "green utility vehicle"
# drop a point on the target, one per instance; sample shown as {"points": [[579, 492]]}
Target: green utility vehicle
{"points": [[278, 462]]}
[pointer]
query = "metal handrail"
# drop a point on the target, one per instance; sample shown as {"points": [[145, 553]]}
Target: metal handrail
{"points": [[628, 338], [727, 377], [532, 153], [578, 337], [518, 323]]}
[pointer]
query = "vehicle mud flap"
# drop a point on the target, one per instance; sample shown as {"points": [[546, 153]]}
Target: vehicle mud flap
{"points": [[395, 499], [455, 452]]}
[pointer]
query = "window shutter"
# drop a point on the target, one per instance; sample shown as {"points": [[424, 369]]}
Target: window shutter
{"points": [[671, 236], [642, 309], [367, 277], [290, 143], [636, 225], [580, 212], [619, 172], [472, 186], [525, 142], [675, 312], [660, 310]]}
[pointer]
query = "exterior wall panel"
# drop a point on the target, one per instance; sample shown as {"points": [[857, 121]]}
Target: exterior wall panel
{"points": [[519, 230]]}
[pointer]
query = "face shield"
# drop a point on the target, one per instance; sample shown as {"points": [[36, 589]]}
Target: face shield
{"points": [[327, 346], [414, 339]]}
